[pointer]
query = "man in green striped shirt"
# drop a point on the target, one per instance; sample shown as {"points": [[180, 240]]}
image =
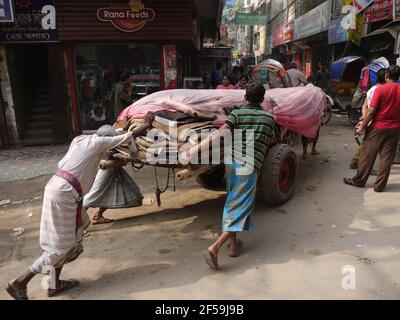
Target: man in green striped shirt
{"points": [[252, 130]]}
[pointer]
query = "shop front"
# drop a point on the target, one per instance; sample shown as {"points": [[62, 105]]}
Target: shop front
{"points": [[34, 90], [120, 51], [310, 32]]}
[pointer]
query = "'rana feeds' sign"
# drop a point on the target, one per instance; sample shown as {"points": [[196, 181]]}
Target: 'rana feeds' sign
{"points": [[129, 19]]}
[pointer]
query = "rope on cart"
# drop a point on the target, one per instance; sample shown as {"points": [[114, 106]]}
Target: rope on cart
{"points": [[159, 191], [136, 167]]}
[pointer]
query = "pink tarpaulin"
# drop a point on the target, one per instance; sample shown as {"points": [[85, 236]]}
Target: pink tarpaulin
{"points": [[297, 109]]}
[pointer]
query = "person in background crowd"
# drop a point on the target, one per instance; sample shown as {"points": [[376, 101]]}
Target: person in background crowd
{"points": [[382, 135], [207, 80], [322, 76], [296, 77], [311, 80], [216, 76], [242, 71], [199, 85], [243, 83], [226, 83], [124, 94], [235, 75]]}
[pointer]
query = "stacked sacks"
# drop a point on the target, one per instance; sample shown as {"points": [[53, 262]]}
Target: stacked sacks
{"points": [[172, 133]]}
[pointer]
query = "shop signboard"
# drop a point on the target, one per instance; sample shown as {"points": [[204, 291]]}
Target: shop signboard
{"points": [[362, 4], [263, 39], [356, 35], [130, 18], [264, 75], [170, 67], [35, 21], [397, 49], [217, 52], [313, 22], [283, 35], [379, 10], [6, 11], [336, 32], [396, 10], [251, 19]]}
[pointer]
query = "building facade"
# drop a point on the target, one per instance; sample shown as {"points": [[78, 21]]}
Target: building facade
{"points": [[71, 66]]}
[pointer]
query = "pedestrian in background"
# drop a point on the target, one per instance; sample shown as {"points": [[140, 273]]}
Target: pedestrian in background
{"points": [[322, 76], [216, 76], [296, 77], [226, 83], [243, 83], [383, 135]]}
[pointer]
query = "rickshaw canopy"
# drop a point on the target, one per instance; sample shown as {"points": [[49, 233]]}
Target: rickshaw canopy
{"points": [[338, 68]]}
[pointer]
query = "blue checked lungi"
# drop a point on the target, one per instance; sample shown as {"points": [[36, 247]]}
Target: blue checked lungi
{"points": [[239, 206]]}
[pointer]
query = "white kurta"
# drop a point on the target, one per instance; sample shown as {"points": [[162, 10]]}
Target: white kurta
{"points": [[59, 237]]}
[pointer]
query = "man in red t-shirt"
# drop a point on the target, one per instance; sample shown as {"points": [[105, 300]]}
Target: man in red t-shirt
{"points": [[383, 135]]}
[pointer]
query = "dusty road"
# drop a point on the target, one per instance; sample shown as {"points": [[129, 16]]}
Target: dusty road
{"points": [[296, 251]]}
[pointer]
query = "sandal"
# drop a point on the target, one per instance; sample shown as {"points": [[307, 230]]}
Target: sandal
{"points": [[350, 182], [64, 286], [239, 247], [101, 220], [21, 294], [211, 260]]}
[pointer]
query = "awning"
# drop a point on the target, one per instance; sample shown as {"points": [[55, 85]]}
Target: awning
{"points": [[392, 28]]}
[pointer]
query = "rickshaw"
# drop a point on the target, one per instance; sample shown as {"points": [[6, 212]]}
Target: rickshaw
{"points": [[272, 74], [368, 79], [344, 78]]}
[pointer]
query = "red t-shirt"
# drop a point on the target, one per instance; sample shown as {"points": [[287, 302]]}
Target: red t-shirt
{"points": [[387, 99]]}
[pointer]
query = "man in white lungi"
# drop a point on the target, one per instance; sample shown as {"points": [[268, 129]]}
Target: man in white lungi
{"points": [[63, 221]]}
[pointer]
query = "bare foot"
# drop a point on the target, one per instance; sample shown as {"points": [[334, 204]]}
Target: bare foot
{"points": [[235, 248], [315, 153], [101, 220], [211, 258]]}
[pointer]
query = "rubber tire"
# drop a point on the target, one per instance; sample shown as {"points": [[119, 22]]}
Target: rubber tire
{"points": [[214, 180], [325, 120], [268, 183]]}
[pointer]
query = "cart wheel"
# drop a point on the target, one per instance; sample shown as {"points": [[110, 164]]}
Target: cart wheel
{"points": [[327, 114], [279, 175], [214, 180]]}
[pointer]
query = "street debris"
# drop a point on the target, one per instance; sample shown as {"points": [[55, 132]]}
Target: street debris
{"points": [[17, 232], [361, 259], [19, 202], [147, 202], [4, 202], [30, 214], [312, 252], [333, 226], [330, 161], [367, 222], [361, 245]]}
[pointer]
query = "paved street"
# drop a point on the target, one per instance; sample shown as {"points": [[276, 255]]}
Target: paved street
{"points": [[29, 162], [296, 251]]}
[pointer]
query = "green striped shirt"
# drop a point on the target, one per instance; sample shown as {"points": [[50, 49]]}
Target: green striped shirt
{"points": [[262, 124]]}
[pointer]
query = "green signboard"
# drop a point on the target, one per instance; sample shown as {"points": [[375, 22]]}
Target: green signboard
{"points": [[251, 19], [264, 75]]}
